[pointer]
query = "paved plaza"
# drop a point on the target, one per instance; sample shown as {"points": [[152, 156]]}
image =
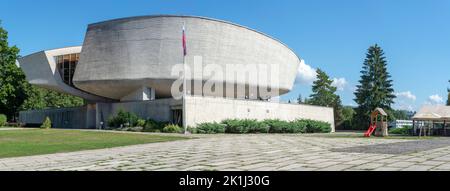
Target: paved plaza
{"points": [[248, 152]]}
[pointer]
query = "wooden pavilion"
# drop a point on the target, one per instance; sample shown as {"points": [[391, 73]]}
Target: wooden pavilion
{"points": [[432, 120]]}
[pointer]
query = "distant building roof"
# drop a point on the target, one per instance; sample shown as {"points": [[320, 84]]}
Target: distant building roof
{"points": [[433, 112]]}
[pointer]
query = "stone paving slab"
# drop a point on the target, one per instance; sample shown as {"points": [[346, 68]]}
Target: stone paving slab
{"points": [[246, 153], [401, 147]]}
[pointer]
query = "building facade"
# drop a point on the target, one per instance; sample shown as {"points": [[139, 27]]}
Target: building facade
{"points": [[129, 64]]}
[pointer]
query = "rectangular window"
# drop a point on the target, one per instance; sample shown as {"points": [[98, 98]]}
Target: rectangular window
{"points": [[67, 65]]}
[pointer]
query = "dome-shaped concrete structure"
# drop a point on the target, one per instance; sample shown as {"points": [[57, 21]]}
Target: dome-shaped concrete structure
{"points": [[128, 64], [123, 55]]}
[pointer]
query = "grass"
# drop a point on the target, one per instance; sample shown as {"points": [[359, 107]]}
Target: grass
{"points": [[15, 143]]}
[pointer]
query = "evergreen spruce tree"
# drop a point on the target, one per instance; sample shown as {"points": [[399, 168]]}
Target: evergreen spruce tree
{"points": [[448, 96], [375, 88], [324, 94], [300, 99]]}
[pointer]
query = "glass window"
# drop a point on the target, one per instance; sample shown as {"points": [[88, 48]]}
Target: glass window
{"points": [[67, 65]]}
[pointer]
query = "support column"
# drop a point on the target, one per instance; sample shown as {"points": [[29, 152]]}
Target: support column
{"points": [[445, 130]]}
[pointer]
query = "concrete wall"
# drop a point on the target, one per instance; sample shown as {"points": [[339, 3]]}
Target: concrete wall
{"points": [[206, 109], [67, 118], [198, 109], [123, 55], [159, 110]]}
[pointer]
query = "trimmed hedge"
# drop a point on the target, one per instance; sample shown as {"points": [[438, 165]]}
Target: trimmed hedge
{"points": [[401, 131], [243, 126], [237, 126], [209, 128], [279, 126], [313, 126], [3, 120]]}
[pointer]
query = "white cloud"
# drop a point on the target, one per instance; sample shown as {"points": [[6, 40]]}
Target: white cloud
{"points": [[405, 101], [306, 74], [406, 95], [339, 83], [435, 100]]}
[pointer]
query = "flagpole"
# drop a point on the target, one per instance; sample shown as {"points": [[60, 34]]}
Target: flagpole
{"points": [[184, 81]]}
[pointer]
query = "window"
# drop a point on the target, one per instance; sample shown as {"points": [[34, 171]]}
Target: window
{"points": [[67, 65]]}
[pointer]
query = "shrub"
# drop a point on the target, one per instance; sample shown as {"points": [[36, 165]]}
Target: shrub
{"points": [[245, 126], [140, 123], [3, 120], [125, 119], [313, 126], [172, 129], [401, 131], [279, 126], [47, 124], [154, 126], [297, 126], [242, 126], [210, 128], [192, 130]]}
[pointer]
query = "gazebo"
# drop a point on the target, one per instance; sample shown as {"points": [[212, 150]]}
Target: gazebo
{"points": [[432, 120]]}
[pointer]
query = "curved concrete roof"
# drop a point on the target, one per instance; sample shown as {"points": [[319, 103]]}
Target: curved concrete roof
{"points": [[41, 70], [192, 16], [122, 55]]}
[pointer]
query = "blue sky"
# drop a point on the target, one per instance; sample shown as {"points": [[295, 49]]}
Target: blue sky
{"points": [[331, 35]]}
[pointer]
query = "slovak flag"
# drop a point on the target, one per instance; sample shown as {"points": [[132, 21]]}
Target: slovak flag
{"points": [[184, 41]]}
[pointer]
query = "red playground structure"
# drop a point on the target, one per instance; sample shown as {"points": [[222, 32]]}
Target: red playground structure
{"points": [[378, 123]]}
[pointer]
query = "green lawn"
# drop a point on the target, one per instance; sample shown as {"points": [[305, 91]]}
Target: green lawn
{"points": [[15, 143]]}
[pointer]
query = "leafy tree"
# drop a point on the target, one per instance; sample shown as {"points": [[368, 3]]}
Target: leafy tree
{"points": [[347, 118], [12, 79], [324, 94], [398, 114], [375, 88], [39, 98]]}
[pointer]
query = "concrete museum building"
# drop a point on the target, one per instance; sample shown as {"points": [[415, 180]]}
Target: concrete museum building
{"points": [[128, 64]]}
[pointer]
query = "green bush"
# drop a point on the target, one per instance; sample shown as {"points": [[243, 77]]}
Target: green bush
{"points": [[3, 120], [279, 126], [313, 126], [192, 130], [140, 123], [400, 131], [47, 124], [123, 118], [243, 126], [172, 129], [297, 126], [210, 128], [154, 126]]}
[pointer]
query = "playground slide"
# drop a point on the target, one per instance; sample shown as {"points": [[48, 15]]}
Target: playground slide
{"points": [[370, 130]]}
